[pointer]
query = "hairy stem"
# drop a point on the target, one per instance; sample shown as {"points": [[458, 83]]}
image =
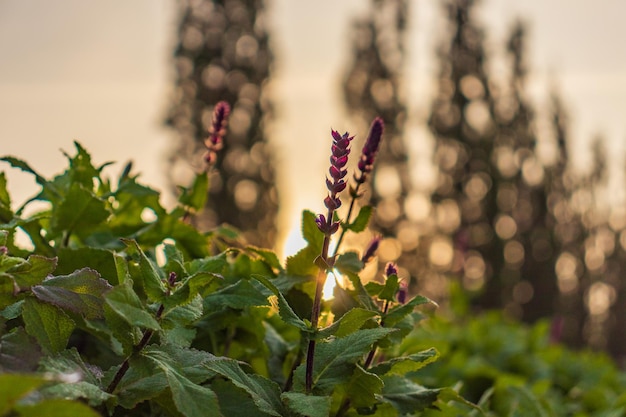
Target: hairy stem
{"points": [[317, 303], [145, 339], [345, 405], [354, 197]]}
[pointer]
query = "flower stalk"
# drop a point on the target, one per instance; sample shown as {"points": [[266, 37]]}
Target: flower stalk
{"points": [[365, 167], [340, 150]]}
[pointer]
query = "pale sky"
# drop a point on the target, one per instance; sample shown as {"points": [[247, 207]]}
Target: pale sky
{"points": [[97, 72]]}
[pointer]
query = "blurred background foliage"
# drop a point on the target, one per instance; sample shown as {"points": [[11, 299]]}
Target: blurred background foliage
{"points": [[505, 220]]}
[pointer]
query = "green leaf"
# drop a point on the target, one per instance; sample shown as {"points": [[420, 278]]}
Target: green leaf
{"points": [[33, 271], [78, 212], [145, 378], [127, 305], [362, 219], [404, 364], [200, 283], [284, 309], [148, 276], [268, 256], [210, 264], [18, 163], [335, 360], [240, 295], [80, 292], [399, 312], [18, 352], [307, 405], [349, 323], [48, 324], [234, 401], [406, 396], [310, 232], [390, 289], [84, 379], [191, 400], [196, 196], [349, 262], [264, 393], [6, 214], [14, 387], [363, 388], [56, 408], [101, 260]]}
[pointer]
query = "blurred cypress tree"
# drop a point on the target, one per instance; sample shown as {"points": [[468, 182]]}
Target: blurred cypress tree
{"points": [[372, 86], [462, 122], [223, 53]]}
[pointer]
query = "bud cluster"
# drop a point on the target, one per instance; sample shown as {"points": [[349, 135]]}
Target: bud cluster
{"points": [[340, 150], [217, 131], [370, 149]]}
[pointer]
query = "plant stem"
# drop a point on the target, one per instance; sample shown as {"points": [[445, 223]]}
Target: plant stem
{"points": [[355, 195], [345, 405], [315, 312], [145, 339]]}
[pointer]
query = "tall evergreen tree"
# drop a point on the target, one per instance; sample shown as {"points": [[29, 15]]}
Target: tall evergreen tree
{"points": [[372, 87], [223, 53]]}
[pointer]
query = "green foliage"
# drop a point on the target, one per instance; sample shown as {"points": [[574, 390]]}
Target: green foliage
{"points": [[121, 307], [116, 313]]}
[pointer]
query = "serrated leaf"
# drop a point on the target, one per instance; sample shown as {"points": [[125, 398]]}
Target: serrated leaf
{"points": [[145, 378], [233, 400], [362, 219], [284, 309], [211, 264], [348, 323], [101, 260], [406, 396], [264, 393], [149, 277], [196, 196], [127, 305], [18, 163], [79, 210], [18, 352], [268, 256], [399, 312], [310, 232], [335, 359], [238, 296], [191, 400], [80, 292], [56, 408], [404, 364], [6, 214], [200, 283], [363, 388], [303, 262], [33, 271], [307, 405], [48, 324], [14, 387], [390, 289], [349, 262]]}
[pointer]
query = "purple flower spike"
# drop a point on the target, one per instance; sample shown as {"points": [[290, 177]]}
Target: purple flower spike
{"points": [[371, 249], [391, 269], [340, 150], [402, 293], [217, 131], [370, 149]]}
